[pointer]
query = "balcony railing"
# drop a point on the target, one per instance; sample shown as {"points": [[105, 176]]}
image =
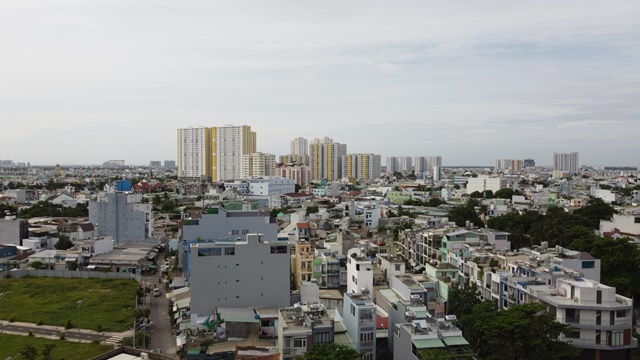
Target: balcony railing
{"points": [[604, 322]]}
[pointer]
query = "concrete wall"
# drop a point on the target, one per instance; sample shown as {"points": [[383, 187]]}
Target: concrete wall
{"points": [[71, 274]]}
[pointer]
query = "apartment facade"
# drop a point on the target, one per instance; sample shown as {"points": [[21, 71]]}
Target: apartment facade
{"points": [[300, 146], [247, 272], [215, 153], [361, 166], [121, 215], [194, 161], [258, 165], [359, 314], [567, 162], [325, 157]]}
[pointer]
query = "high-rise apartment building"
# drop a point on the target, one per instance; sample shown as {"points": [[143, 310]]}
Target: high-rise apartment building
{"points": [[326, 159], [215, 153], [194, 161], [392, 164], [361, 166], [229, 145], [568, 162], [424, 165], [403, 164], [511, 165], [528, 163], [294, 158], [258, 165], [300, 146]]}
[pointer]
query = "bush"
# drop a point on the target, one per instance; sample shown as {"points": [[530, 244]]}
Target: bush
{"points": [[99, 328], [68, 325], [63, 336], [12, 320], [30, 333], [39, 323]]}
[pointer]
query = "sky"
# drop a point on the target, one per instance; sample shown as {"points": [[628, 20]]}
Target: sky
{"points": [[83, 82]]}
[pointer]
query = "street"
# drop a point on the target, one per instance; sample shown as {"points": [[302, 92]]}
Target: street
{"points": [[162, 336]]}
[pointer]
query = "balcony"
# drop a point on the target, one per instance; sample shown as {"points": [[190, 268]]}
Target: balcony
{"points": [[592, 344], [602, 324]]}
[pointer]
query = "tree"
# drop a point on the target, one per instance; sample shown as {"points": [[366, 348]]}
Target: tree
{"points": [[461, 214], [64, 243], [522, 332], [505, 193], [475, 195], [434, 202], [29, 352], [46, 352], [36, 264], [619, 264], [330, 351], [595, 211], [462, 299]]}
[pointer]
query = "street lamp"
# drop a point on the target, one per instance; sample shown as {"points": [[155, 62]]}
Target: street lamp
{"points": [[78, 308]]}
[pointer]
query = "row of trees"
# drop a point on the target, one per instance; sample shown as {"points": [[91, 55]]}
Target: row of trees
{"points": [[45, 208]]}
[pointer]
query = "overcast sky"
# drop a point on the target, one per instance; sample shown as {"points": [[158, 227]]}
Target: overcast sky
{"points": [[83, 82]]}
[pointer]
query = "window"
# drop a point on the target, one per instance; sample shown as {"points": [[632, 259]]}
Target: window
{"points": [[616, 338], [353, 309], [588, 264], [300, 342], [599, 297], [230, 251], [621, 313], [397, 267]]}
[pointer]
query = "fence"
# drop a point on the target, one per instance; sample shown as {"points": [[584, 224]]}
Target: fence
{"points": [[71, 274]]}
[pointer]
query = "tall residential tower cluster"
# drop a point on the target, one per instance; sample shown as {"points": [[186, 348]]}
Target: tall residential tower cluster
{"points": [[215, 153]]}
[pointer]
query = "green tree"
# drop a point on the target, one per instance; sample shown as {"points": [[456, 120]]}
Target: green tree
{"points": [[46, 352], [522, 332], [64, 243], [434, 202], [505, 193], [330, 351], [461, 214], [462, 299], [36, 264], [619, 264], [29, 352], [475, 195], [595, 211]]}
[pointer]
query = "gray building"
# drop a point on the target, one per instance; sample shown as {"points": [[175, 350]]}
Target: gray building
{"points": [[217, 223], [121, 215], [247, 272], [13, 231]]}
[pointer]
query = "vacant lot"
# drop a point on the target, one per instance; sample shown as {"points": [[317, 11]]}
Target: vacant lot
{"points": [[13, 344], [97, 304]]}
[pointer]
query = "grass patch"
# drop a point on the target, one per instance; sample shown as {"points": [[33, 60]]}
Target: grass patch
{"points": [[13, 344], [108, 303]]}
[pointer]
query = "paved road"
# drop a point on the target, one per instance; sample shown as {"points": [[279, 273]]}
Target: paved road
{"points": [[162, 331]]}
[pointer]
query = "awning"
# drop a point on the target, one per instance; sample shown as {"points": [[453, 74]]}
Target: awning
{"points": [[455, 340], [427, 343], [91, 267]]}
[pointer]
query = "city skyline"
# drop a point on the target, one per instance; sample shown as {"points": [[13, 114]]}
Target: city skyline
{"points": [[472, 83]]}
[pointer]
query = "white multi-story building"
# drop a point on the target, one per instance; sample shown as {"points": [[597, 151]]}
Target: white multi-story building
{"points": [[302, 326], [326, 159], [624, 225], [230, 144], [361, 166], [424, 165], [372, 217], [258, 164], [568, 162], [484, 183], [359, 314], [392, 164], [121, 215], [271, 186], [300, 146], [359, 272], [193, 153]]}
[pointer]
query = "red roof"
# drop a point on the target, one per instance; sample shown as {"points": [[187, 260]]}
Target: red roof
{"points": [[303, 225]]}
